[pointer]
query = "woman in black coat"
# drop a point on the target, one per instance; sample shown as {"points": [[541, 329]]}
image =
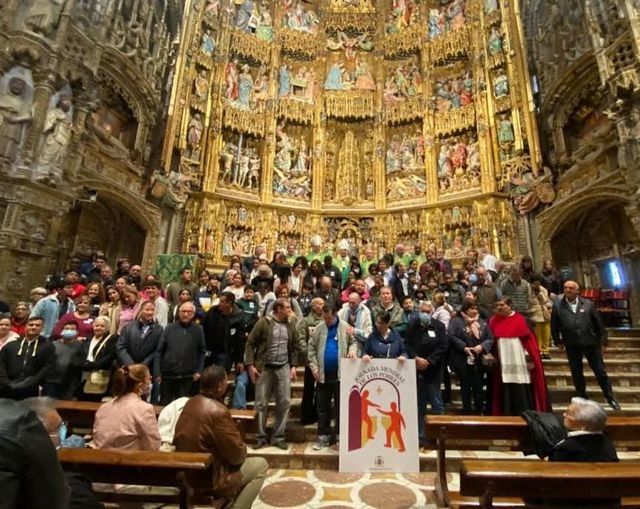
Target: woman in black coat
{"points": [[427, 345], [99, 361], [469, 340]]}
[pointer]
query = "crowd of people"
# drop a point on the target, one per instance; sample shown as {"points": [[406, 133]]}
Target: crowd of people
{"points": [[96, 332]]}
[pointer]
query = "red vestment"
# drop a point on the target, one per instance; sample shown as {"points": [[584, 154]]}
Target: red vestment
{"points": [[515, 326]]}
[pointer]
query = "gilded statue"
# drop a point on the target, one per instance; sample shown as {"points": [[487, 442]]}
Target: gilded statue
{"points": [[350, 44], [298, 17], [194, 135], [15, 116], [57, 132], [208, 44]]}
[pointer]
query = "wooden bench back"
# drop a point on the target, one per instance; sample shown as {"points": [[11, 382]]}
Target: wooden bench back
{"points": [[152, 468], [542, 479], [513, 428], [82, 414]]}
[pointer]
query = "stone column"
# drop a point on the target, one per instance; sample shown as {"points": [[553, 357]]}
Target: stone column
{"points": [[44, 83]]}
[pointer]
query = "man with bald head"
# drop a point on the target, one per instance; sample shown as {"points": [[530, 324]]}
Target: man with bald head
{"points": [[358, 317], [577, 326]]}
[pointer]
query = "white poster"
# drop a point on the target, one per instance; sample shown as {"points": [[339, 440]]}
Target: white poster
{"points": [[378, 416]]}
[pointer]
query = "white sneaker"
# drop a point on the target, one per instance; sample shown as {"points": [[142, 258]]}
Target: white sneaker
{"points": [[320, 444]]}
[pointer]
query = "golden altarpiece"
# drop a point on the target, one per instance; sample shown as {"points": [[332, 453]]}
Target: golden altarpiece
{"points": [[374, 122]]}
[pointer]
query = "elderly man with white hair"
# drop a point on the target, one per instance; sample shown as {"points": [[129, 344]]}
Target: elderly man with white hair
{"points": [[179, 358], [358, 317], [316, 253]]}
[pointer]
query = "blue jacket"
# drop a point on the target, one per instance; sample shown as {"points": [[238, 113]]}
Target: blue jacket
{"points": [[48, 308], [378, 348]]}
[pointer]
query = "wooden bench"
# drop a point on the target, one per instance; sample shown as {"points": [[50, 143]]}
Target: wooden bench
{"points": [[489, 428], [545, 480], [190, 473], [80, 414]]}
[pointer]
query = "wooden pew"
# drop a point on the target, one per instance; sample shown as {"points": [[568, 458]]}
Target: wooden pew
{"points": [[190, 473], [80, 414], [489, 428], [545, 480]]}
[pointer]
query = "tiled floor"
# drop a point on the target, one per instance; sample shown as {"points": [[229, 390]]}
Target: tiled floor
{"points": [[324, 489]]}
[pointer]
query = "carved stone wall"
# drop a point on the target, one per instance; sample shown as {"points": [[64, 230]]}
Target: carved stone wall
{"points": [[82, 86]]}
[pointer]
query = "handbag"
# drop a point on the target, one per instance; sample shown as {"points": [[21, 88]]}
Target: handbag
{"points": [[98, 382]]}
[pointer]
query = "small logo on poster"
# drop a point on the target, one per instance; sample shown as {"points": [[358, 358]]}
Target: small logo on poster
{"points": [[379, 461]]}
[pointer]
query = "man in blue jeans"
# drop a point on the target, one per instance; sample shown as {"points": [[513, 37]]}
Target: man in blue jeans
{"points": [[427, 343], [328, 343]]}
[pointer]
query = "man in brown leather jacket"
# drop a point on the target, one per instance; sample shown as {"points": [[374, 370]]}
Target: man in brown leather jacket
{"points": [[205, 425]]}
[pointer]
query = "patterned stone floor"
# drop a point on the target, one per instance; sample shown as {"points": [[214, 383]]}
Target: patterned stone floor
{"points": [[325, 489]]}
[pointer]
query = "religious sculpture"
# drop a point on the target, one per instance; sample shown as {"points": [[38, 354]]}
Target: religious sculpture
{"points": [[454, 93], [231, 81], [334, 77], [501, 86], [495, 41], [245, 87], [58, 130], [348, 43], [458, 164], [15, 116], [240, 165], [505, 131], [208, 44], [264, 29], [260, 93], [284, 81], [291, 167], [194, 136], [296, 17], [446, 18], [405, 169], [403, 82], [404, 13], [364, 79], [201, 85]]}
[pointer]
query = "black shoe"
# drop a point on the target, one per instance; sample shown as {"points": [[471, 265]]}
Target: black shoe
{"points": [[260, 443], [613, 403]]}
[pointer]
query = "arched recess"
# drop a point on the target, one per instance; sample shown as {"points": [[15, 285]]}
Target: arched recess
{"points": [[119, 222], [589, 231]]}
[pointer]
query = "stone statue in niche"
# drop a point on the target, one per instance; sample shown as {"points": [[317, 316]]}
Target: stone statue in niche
{"points": [[208, 44], [231, 80], [260, 93], [201, 85], [245, 87], [194, 136], [284, 80], [495, 41], [15, 116], [43, 15], [506, 136], [501, 86], [57, 133]]}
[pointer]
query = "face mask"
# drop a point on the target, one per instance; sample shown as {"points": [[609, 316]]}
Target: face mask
{"points": [[69, 334], [425, 318]]}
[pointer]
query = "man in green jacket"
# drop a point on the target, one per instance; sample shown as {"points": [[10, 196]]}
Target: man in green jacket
{"points": [[271, 357], [328, 344]]}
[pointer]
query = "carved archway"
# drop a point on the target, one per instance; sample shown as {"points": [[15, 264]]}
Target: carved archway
{"points": [[551, 221]]}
